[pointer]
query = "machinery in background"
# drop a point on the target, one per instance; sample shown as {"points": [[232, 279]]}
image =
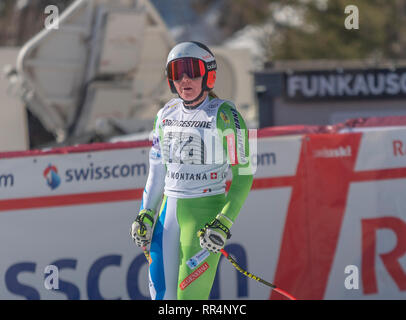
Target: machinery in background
{"points": [[100, 75]]}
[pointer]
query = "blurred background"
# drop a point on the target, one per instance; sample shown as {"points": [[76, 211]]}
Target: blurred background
{"points": [[98, 75]]}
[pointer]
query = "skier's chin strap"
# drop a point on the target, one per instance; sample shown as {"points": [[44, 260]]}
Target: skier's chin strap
{"points": [[189, 102]]}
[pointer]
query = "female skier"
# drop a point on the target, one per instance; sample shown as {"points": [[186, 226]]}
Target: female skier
{"points": [[196, 138]]}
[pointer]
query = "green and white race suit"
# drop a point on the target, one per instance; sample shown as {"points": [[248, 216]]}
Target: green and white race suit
{"points": [[191, 154]]}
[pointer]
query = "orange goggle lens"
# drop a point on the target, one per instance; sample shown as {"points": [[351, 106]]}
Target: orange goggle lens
{"points": [[192, 67]]}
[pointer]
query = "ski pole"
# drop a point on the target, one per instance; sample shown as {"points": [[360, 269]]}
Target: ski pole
{"points": [[251, 276], [146, 254]]}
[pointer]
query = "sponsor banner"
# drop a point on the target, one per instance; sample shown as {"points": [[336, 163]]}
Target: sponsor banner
{"points": [[345, 84], [73, 173]]}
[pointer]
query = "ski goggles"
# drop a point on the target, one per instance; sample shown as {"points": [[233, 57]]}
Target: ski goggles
{"points": [[192, 67]]}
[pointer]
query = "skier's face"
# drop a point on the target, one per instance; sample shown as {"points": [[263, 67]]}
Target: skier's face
{"points": [[189, 88]]}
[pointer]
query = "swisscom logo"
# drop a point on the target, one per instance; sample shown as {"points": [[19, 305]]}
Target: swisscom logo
{"points": [[52, 177], [91, 172]]}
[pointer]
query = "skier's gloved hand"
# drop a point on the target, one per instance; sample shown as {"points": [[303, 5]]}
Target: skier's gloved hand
{"points": [[214, 234], [141, 229]]}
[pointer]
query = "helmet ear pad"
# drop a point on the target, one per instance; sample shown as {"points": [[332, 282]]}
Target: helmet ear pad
{"points": [[211, 79]]}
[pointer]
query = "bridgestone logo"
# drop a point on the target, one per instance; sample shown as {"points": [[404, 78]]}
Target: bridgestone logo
{"points": [[193, 276], [186, 124]]}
